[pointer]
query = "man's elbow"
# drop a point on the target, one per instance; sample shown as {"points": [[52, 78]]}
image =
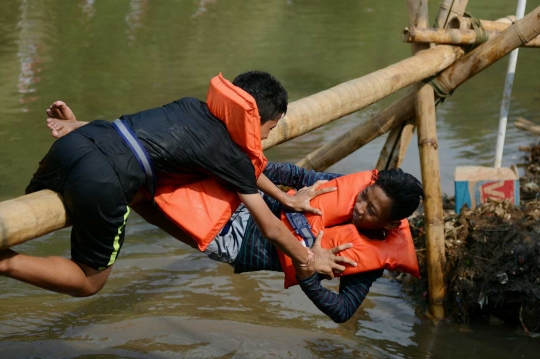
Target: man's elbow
{"points": [[271, 232], [341, 316], [340, 319]]}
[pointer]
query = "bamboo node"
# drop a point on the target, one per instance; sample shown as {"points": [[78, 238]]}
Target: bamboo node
{"points": [[429, 142]]}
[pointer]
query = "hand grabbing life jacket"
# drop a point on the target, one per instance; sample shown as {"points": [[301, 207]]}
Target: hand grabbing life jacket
{"points": [[395, 252]]}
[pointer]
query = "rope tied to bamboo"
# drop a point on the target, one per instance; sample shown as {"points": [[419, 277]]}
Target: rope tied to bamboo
{"points": [[481, 34], [440, 88]]}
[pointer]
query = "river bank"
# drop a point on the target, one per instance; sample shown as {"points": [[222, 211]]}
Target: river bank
{"points": [[492, 266]]}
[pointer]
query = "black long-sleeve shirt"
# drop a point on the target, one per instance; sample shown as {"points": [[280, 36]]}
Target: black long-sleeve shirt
{"points": [[257, 253]]}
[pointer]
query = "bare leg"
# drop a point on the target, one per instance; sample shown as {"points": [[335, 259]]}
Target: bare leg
{"points": [[56, 274], [62, 120]]}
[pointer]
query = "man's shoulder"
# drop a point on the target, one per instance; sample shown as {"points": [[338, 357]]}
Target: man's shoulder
{"points": [[190, 101]]}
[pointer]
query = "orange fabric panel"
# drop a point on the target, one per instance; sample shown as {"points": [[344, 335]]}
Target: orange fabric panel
{"points": [[238, 111], [396, 252], [200, 208]]}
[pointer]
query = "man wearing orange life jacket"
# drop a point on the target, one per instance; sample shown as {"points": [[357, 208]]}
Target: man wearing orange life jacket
{"points": [[377, 207], [99, 168]]}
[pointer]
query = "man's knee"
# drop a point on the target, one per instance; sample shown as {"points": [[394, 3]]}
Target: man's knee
{"points": [[95, 281]]}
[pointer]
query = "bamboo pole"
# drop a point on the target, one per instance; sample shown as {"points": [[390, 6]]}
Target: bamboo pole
{"points": [[451, 36], [527, 125], [396, 142], [324, 107], [430, 169], [346, 144], [31, 216], [461, 22], [448, 10]]}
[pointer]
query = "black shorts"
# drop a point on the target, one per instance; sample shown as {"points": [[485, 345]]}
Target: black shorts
{"points": [[93, 195]]}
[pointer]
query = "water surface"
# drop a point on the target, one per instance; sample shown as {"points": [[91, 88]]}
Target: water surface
{"points": [[107, 58]]}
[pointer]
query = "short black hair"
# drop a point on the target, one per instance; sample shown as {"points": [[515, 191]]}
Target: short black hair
{"points": [[269, 94], [403, 189]]}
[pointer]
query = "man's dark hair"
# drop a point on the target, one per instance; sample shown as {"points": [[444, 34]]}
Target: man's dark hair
{"points": [[270, 96], [403, 189]]}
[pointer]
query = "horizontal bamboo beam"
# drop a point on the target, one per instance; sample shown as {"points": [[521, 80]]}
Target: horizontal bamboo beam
{"points": [[324, 107], [31, 216], [450, 36], [527, 125], [461, 22]]}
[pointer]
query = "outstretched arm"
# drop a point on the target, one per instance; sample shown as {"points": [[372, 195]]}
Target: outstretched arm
{"points": [[318, 259], [300, 201], [290, 175], [352, 291]]}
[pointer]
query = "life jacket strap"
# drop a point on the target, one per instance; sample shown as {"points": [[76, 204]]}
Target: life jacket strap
{"points": [[140, 154], [301, 226]]}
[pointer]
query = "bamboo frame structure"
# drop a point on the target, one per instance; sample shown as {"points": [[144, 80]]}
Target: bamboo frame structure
{"points": [[303, 116], [450, 36], [521, 32], [344, 145]]}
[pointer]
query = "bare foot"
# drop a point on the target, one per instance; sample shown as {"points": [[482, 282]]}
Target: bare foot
{"points": [[61, 119]]}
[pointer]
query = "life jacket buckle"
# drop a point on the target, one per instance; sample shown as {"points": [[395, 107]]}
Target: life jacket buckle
{"points": [[301, 226]]}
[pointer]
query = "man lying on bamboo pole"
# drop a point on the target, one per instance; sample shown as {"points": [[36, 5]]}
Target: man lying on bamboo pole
{"points": [[100, 168], [370, 206]]}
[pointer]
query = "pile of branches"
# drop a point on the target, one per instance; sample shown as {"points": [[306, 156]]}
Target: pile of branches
{"points": [[492, 265]]}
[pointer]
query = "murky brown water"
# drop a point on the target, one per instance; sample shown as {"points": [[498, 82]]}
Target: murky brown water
{"points": [[164, 300]]}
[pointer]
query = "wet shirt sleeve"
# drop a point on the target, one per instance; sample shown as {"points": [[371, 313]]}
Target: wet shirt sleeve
{"points": [[352, 291], [290, 175]]}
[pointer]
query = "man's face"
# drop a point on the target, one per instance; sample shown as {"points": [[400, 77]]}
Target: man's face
{"points": [[372, 209], [268, 126]]}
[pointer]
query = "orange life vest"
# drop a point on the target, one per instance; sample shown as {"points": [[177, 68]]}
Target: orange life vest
{"points": [[202, 207], [395, 252]]}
